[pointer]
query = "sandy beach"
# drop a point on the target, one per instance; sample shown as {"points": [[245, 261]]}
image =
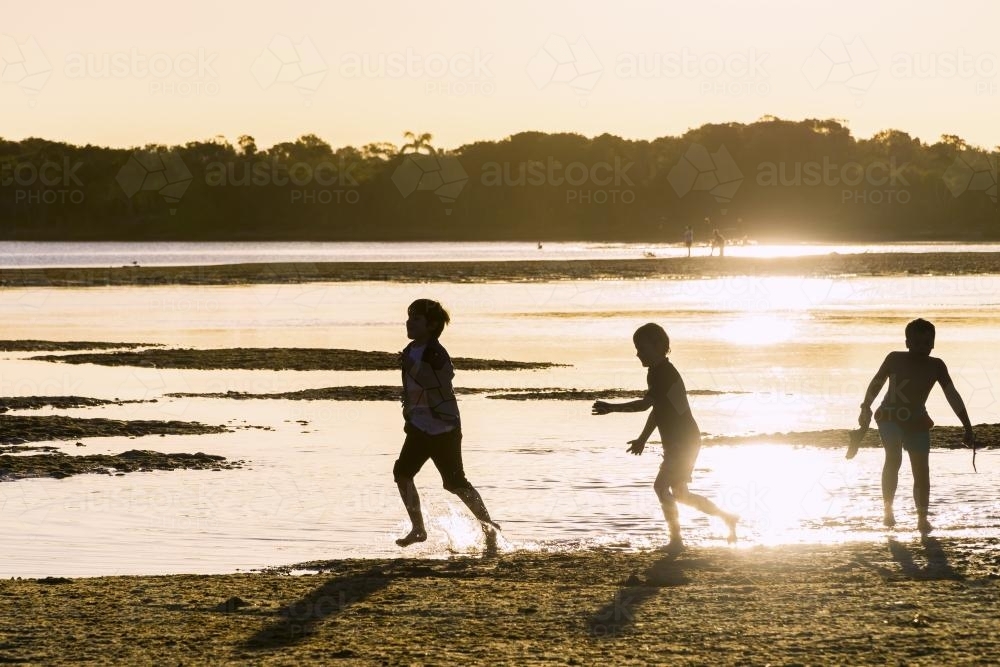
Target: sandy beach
{"points": [[899, 601]]}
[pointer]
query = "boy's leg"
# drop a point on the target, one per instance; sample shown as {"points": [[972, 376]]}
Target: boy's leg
{"points": [[411, 458], [892, 444], [447, 458], [703, 504], [919, 452], [411, 500], [667, 502]]}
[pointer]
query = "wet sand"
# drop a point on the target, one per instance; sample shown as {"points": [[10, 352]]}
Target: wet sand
{"points": [[867, 264], [896, 601], [60, 402], [950, 437], [16, 461], [54, 346], [385, 392], [17, 429], [58, 465], [276, 359]]}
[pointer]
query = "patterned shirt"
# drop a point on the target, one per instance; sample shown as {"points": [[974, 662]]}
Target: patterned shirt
{"points": [[429, 402]]}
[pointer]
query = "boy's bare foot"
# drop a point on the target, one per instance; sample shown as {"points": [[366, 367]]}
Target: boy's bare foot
{"points": [[491, 542], [675, 546], [924, 526], [414, 536], [731, 521], [888, 519], [490, 530]]}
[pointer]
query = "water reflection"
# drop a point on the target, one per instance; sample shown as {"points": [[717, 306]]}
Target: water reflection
{"points": [[557, 478]]}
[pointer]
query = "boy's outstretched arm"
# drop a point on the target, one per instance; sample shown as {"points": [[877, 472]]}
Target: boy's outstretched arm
{"points": [[603, 407], [639, 443]]}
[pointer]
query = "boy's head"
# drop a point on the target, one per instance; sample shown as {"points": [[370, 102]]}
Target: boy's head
{"points": [[651, 343], [425, 319], [920, 336]]}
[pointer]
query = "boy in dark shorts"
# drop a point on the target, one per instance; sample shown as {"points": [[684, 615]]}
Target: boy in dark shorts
{"points": [[432, 423], [679, 432], [903, 422]]}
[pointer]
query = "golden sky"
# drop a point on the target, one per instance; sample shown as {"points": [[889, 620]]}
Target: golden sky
{"points": [[132, 73]]}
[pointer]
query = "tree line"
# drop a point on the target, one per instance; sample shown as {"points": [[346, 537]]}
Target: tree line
{"points": [[773, 179]]}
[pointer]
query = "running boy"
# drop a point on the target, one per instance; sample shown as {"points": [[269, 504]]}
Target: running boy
{"points": [[679, 432], [903, 422], [432, 424]]}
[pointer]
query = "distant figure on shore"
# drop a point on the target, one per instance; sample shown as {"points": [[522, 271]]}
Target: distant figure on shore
{"points": [[539, 245], [718, 241], [688, 238], [432, 423], [679, 432], [903, 422]]}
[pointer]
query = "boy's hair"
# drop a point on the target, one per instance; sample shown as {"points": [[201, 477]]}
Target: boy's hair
{"points": [[433, 312], [655, 334], [917, 327]]}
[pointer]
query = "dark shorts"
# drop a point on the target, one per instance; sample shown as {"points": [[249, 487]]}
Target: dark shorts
{"points": [[895, 436], [678, 464], [899, 427], [445, 450]]}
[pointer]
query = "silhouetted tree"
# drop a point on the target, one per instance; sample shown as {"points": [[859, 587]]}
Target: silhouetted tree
{"points": [[804, 180]]}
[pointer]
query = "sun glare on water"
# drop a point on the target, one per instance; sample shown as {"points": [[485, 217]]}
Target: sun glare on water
{"points": [[786, 495], [757, 330]]}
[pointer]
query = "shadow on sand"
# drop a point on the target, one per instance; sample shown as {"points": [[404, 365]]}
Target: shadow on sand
{"points": [[299, 619], [935, 562], [618, 614]]}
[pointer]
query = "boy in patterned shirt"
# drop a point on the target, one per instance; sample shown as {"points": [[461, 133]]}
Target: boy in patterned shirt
{"points": [[432, 423]]}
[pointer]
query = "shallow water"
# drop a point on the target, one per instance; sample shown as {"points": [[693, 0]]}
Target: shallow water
{"points": [[787, 354]]}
